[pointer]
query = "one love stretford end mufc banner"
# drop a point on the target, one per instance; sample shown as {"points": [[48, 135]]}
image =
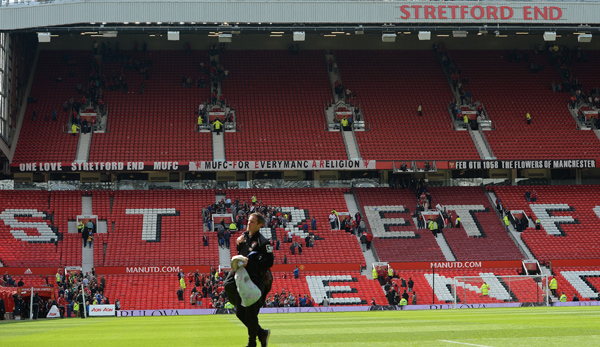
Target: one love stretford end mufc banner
{"points": [[283, 165], [267, 165]]}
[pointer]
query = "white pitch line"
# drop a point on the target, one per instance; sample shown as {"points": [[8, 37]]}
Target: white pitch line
{"points": [[463, 343]]}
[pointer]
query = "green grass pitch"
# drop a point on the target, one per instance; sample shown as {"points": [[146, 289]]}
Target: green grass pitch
{"points": [[542, 326]]}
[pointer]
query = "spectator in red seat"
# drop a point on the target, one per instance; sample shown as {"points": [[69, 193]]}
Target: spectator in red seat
{"points": [[332, 220], [420, 110], [534, 196], [528, 116]]}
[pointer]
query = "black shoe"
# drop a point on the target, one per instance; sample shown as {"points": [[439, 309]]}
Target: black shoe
{"points": [[264, 340]]}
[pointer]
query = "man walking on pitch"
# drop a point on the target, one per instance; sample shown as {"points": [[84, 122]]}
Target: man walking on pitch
{"points": [[259, 259]]}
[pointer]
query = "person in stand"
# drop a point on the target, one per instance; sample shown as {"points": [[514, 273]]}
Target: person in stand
{"points": [[485, 289], [563, 297], [528, 117], [553, 285], [75, 129], [218, 126], [259, 259], [2, 309], [420, 110], [85, 235]]}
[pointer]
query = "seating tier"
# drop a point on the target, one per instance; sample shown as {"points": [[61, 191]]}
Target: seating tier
{"points": [[390, 85], [577, 240], [279, 101], [509, 91]]}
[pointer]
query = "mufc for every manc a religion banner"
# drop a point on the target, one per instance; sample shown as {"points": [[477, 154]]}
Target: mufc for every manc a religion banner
{"points": [[283, 165]]}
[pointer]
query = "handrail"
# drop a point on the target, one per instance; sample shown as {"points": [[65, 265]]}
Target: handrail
{"points": [[355, 142], [485, 142]]}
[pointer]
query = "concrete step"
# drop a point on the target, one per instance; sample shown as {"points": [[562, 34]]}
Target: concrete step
{"points": [[83, 148], [441, 241], [351, 145], [218, 146]]}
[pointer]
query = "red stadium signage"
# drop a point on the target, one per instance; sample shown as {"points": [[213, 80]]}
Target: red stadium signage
{"points": [[141, 270], [30, 270], [480, 13], [457, 265]]}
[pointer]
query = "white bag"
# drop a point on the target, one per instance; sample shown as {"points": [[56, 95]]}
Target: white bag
{"points": [[249, 292]]}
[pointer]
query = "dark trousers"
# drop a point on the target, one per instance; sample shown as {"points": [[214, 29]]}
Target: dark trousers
{"points": [[247, 315], [36, 309]]}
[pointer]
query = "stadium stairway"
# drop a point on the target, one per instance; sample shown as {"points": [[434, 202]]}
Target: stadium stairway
{"points": [[351, 145], [483, 147], [218, 146], [87, 253], [224, 253], [83, 148], [441, 241], [330, 112], [370, 257], [516, 236]]}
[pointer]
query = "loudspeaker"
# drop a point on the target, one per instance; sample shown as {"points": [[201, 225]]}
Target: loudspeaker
{"points": [[225, 38], [43, 37], [424, 35], [173, 35], [550, 36], [388, 37], [299, 35], [585, 38]]}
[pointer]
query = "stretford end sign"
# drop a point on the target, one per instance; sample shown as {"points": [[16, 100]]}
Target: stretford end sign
{"points": [[479, 12]]}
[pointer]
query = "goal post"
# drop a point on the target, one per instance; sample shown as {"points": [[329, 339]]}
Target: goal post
{"points": [[489, 288]]}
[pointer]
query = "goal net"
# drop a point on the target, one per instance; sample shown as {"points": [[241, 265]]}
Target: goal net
{"points": [[529, 290]]}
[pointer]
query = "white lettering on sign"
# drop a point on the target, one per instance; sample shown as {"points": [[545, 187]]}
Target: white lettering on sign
{"points": [[282, 165], [456, 264], [151, 269], [18, 228], [466, 219], [379, 224], [318, 289], [549, 222], [443, 285], [150, 225], [575, 278]]}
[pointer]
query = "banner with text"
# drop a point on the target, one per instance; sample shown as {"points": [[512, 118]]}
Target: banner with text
{"points": [[197, 166], [523, 164], [102, 310], [426, 265]]}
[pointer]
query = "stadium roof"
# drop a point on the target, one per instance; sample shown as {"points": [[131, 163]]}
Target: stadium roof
{"points": [[325, 15]]}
